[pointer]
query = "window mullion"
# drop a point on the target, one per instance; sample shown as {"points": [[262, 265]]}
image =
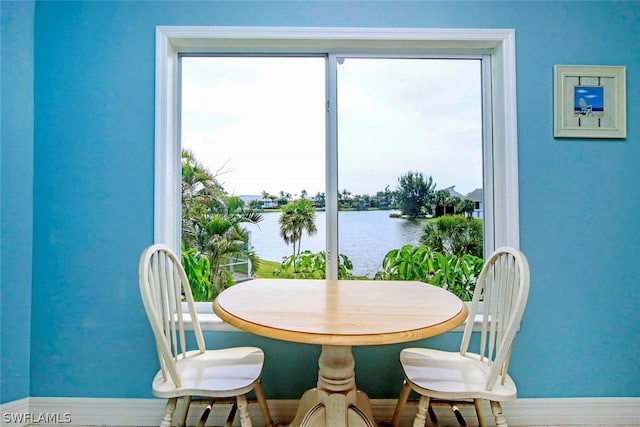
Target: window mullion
{"points": [[331, 196], [487, 157]]}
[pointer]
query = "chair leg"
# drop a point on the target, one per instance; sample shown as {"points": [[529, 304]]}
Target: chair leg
{"points": [[186, 403], [479, 412], [434, 418], [168, 413], [421, 417], [402, 400], [266, 415], [205, 414], [243, 408], [232, 414], [497, 413], [458, 414]]}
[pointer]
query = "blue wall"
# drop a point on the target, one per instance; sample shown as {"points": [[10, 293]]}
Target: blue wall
{"points": [[16, 194], [93, 188]]}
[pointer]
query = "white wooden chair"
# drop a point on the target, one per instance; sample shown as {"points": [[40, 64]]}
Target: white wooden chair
{"points": [[464, 377], [224, 375]]}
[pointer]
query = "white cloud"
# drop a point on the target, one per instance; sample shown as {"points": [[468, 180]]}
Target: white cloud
{"points": [[265, 118]]}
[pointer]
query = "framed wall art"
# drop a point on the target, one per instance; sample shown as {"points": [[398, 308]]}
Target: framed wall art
{"points": [[589, 102]]}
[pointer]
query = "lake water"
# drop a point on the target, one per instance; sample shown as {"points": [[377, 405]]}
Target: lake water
{"points": [[365, 237]]}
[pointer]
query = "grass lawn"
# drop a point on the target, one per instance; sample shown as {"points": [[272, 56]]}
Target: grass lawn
{"points": [[265, 271], [266, 268]]}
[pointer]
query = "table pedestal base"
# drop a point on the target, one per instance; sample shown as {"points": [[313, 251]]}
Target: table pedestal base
{"points": [[335, 402]]}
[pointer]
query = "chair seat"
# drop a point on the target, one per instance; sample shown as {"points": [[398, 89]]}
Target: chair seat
{"points": [[448, 375], [214, 373]]}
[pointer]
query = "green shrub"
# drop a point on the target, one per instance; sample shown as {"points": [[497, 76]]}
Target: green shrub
{"points": [[309, 265], [454, 235], [198, 269], [458, 274]]}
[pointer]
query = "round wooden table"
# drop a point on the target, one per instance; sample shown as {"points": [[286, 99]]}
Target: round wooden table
{"points": [[338, 314]]}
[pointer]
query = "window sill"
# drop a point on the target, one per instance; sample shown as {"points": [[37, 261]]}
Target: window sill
{"points": [[210, 322]]}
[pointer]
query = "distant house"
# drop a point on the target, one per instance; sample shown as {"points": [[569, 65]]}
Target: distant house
{"points": [[476, 196], [264, 203], [453, 192], [269, 203]]}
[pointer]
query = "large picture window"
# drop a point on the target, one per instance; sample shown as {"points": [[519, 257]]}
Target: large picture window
{"points": [[401, 117], [345, 131]]}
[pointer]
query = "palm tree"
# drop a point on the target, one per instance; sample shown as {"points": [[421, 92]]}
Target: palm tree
{"points": [[319, 200], [212, 221], [344, 198], [283, 198], [221, 237], [466, 207], [439, 200], [198, 188], [451, 204], [297, 217], [454, 235]]}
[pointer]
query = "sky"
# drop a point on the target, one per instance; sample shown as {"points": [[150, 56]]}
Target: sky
{"points": [[259, 123]]}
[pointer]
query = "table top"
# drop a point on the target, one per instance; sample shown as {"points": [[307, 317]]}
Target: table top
{"points": [[340, 312]]}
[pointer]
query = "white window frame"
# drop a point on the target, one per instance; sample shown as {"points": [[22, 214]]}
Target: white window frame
{"points": [[501, 200]]}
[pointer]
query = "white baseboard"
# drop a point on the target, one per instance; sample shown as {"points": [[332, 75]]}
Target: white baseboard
{"points": [[11, 412], [574, 411], [148, 412], [533, 412]]}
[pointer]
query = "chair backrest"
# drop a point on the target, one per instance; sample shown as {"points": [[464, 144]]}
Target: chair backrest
{"points": [[163, 286], [503, 287]]}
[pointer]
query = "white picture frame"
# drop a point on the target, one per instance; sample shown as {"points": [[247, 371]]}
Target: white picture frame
{"points": [[589, 101]]}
